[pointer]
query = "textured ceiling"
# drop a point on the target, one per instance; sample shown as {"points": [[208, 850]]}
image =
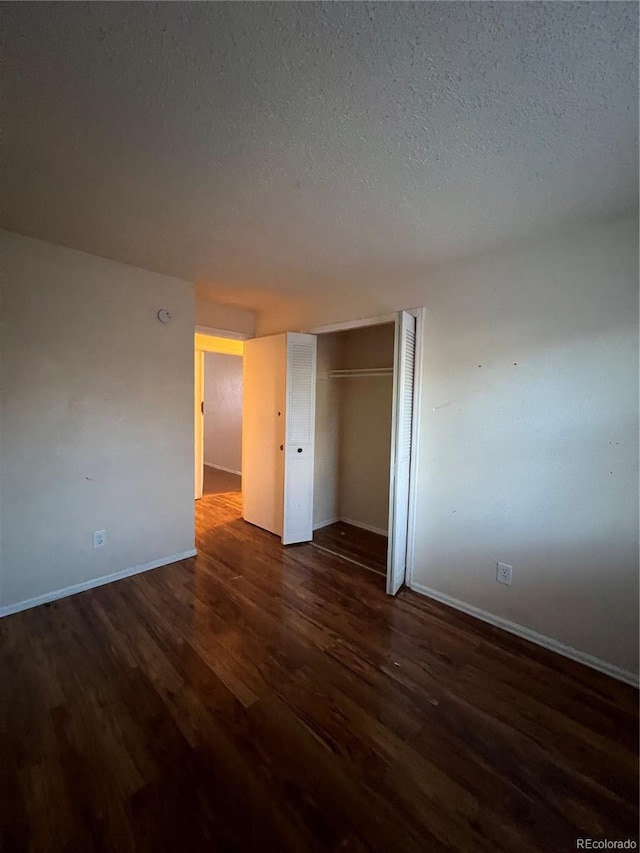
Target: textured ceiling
{"points": [[267, 151]]}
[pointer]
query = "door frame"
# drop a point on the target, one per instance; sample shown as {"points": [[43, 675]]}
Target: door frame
{"points": [[221, 333], [379, 320], [198, 422]]}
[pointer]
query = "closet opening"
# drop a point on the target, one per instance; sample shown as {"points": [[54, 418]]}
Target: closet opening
{"points": [[353, 434], [329, 439]]}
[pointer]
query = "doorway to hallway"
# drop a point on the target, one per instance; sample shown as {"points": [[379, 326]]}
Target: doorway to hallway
{"points": [[218, 419]]}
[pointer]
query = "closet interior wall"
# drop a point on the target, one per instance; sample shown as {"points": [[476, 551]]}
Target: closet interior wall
{"points": [[353, 429]]}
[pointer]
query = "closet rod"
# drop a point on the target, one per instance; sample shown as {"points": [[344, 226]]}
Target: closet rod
{"points": [[364, 371]]}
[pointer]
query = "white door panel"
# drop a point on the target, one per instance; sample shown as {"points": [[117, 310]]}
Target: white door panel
{"points": [[298, 499], [403, 402], [278, 432], [263, 419], [299, 438]]}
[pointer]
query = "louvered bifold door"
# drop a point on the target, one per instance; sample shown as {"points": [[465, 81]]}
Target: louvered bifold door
{"points": [[299, 438], [401, 451]]}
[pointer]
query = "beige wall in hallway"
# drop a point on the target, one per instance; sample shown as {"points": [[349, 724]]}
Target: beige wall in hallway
{"points": [[223, 411]]}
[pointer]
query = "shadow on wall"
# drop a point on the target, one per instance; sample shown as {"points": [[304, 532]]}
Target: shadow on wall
{"points": [[536, 464], [543, 594], [532, 457]]}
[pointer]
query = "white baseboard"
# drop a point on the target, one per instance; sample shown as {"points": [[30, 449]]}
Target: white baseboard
{"points": [[326, 523], [368, 527], [85, 585], [221, 468], [533, 636]]}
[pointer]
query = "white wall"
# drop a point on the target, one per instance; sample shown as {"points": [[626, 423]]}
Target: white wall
{"points": [[529, 432], [225, 317], [97, 418], [223, 411]]}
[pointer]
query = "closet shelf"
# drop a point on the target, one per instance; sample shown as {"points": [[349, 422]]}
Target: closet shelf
{"points": [[364, 371]]}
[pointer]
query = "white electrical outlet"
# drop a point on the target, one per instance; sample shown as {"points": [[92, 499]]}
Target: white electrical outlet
{"points": [[99, 538], [503, 573]]}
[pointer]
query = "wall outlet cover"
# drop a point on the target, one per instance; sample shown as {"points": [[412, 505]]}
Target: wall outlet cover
{"points": [[504, 573]]}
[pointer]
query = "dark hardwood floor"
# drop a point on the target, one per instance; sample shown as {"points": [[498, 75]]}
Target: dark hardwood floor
{"points": [[260, 698], [361, 546]]}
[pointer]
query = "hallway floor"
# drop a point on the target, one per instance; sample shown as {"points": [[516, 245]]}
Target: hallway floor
{"points": [[218, 482]]}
